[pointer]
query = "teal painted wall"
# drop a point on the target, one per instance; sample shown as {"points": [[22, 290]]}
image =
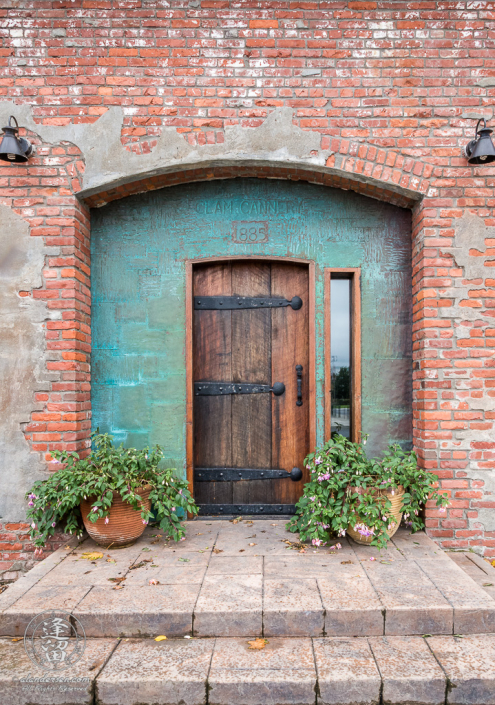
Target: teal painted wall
{"points": [[139, 247]]}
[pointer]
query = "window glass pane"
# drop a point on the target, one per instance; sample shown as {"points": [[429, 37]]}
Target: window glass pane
{"points": [[340, 348]]}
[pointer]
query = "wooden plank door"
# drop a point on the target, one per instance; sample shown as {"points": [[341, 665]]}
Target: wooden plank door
{"points": [[259, 433]]}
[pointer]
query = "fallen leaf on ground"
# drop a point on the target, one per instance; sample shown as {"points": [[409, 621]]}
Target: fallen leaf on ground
{"points": [[19, 638], [155, 541], [426, 635], [345, 562], [253, 544], [249, 523], [118, 587], [184, 560], [140, 564], [154, 581], [294, 545], [188, 636], [487, 584], [92, 556], [202, 550], [252, 537], [160, 638], [236, 520], [111, 560], [200, 534], [67, 548], [241, 550], [3, 588], [116, 580], [258, 644], [95, 665], [218, 550], [146, 549]]}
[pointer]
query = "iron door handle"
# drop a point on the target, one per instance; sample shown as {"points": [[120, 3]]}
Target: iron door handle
{"points": [[299, 371]]}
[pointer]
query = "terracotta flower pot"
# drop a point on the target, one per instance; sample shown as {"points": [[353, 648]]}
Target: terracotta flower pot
{"points": [[395, 514], [124, 526]]}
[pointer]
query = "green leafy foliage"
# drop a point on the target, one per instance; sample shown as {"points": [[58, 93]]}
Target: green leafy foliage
{"points": [[105, 470], [344, 491]]}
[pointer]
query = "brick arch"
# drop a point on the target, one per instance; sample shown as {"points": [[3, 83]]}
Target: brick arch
{"points": [[371, 171]]}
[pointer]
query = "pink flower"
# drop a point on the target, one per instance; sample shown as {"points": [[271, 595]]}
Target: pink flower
{"points": [[372, 558], [144, 522], [318, 461], [338, 546], [442, 510], [54, 523], [33, 525], [30, 504], [364, 530], [318, 542], [173, 509], [107, 520], [341, 532], [95, 509]]}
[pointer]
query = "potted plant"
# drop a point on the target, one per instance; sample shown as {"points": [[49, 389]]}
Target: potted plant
{"points": [[110, 492], [351, 494]]}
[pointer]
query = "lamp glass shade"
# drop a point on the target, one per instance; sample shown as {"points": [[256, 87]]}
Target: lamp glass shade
{"points": [[482, 151]]}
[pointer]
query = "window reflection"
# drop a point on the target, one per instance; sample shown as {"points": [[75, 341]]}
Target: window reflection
{"points": [[340, 349]]}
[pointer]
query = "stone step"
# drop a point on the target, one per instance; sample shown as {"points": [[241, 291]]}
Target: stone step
{"points": [[400, 670], [228, 580]]}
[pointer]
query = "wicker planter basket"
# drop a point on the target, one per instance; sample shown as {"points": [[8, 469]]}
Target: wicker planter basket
{"points": [[125, 524], [395, 515]]}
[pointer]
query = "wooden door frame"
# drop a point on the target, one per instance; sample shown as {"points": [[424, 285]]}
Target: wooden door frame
{"points": [[354, 275], [190, 264]]}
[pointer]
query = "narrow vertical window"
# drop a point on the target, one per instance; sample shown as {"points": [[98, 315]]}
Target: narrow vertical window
{"points": [[340, 349], [343, 353]]}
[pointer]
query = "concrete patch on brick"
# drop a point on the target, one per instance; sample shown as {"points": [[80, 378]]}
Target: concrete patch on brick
{"points": [[277, 142], [21, 263], [470, 235]]}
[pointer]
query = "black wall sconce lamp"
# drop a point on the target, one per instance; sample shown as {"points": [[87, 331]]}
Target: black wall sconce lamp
{"points": [[12, 147], [480, 150]]}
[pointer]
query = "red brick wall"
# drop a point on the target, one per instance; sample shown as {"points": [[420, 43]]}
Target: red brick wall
{"points": [[397, 77]]}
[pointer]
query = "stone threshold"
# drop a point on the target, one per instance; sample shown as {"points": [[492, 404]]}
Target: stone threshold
{"points": [[437, 670]]}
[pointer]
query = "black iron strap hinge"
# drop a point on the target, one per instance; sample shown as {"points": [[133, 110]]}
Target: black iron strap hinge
{"points": [[215, 389], [239, 474], [229, 303]]}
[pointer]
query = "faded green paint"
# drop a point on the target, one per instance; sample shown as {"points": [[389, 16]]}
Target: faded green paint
{"points": [[139, 248]]}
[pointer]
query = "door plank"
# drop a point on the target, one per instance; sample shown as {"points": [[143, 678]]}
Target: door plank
{"points": [[212, 347], [251, 362], [290, 347]]}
